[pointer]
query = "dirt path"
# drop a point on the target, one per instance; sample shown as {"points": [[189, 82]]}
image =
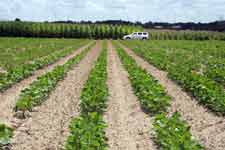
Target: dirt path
{"points": [[205, 126], [8, 98], [128, 127], [47, 129]]}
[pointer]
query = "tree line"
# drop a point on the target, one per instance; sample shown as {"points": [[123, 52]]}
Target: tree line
{"points": [[65, 30]]}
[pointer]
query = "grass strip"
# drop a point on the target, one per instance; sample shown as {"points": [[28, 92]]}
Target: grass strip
{"points": [[88, 131], [40, 89]]}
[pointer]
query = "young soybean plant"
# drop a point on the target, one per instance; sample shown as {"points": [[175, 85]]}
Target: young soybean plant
{"points": [[40, 89], [171, 133], [87, 132]]}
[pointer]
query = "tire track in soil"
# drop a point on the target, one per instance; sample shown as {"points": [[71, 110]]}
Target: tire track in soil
{"points": [[208, 128], [47, 129], [8, 98], [128, 126]]}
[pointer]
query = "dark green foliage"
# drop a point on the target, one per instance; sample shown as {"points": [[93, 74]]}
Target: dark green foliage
{"points": [[215, 69], [185, 35], [97, 31], [5, 134], [173, 134]]}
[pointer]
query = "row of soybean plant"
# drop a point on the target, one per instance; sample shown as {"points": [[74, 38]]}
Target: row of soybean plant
{"points": [[183, 67], [21, 72], [39, 90], [171, 132], [87, 131]]}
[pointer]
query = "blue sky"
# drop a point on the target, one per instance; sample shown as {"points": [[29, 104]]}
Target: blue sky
{"points": [[133, 10]]}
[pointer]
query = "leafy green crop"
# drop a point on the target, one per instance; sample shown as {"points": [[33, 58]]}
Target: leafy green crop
{"points": [[174, 134], [94, 94], [151, 94], [5, 134], [197, 66], [171, 133], [21, 72], [205, 90], [87, 131], [40, 89]]}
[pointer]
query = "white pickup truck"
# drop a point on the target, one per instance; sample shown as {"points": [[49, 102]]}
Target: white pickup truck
{"points": [[137, 35]]}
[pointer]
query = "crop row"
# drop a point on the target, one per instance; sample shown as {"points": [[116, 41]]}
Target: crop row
{"points": [[174, 134], [18, 51], [5, 134], [88, 131], [150, 93], [40, 89], [181, 67], [21, 72], [170, 132]]}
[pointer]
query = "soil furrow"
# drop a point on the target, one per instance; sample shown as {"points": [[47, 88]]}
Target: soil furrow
{"points": [[128, 126], [208, 128], [8, 98], [47, 129]]}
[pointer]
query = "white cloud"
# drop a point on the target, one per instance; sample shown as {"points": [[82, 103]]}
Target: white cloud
{"points": [[134, 10]]}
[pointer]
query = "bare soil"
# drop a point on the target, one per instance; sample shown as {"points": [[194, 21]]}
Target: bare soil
{"points": [[208, 128], [47, 129], [2, 70], [129, 128], [8, 98]]}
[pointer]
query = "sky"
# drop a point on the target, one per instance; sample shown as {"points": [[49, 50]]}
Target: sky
{"points": [[132, 10]]}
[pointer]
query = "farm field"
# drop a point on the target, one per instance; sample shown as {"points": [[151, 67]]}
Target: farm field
{"points": [[29, 55], [78, 94]]}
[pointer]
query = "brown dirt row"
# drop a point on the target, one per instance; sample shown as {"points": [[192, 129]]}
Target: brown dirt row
{"points": [[208, 128], [128, 126], [8, 98], [47, 129]]}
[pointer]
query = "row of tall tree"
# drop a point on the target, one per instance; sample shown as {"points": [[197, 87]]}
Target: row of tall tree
{"points": [[62, 30], [185, 35]]}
